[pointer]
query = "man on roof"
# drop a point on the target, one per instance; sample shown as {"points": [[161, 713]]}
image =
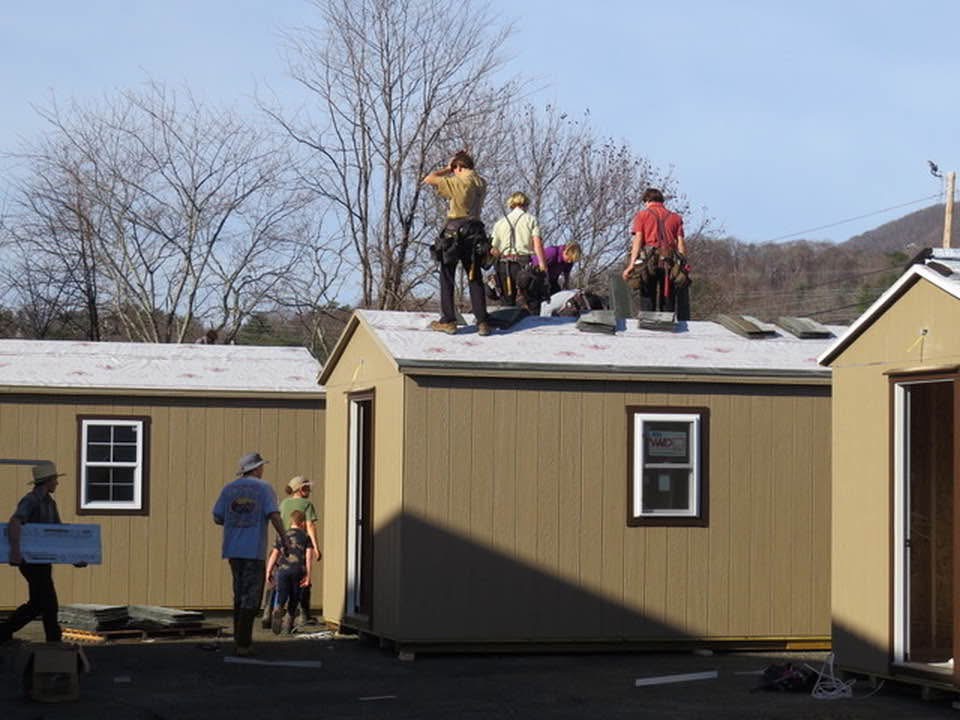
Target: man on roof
{"points": [[462, 241], [657, 265], [516, 242]]}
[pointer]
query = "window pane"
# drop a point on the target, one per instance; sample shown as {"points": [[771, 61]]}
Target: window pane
{"points": [[124, 434], [98, 484], [666, 442], [125, 453], [98, 493], [123, 493], [98, 433], [98, 453], [666, 489], [122, 476]]}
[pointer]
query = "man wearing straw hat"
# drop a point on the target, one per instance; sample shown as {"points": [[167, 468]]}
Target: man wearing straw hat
{"points": [[37, 506], [245, 507]]}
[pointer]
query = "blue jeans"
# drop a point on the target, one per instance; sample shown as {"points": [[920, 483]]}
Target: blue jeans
{"points": [[288, 588]]}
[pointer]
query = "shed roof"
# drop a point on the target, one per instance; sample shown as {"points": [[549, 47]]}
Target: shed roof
{"points": [[192, 368], [555, 345], [940, 266]]}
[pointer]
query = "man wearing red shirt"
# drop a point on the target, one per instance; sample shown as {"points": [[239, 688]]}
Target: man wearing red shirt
{"points": [[656, 229]]}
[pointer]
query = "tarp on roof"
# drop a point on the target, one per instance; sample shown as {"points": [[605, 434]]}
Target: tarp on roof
{"points": [[150, 366], [552, 343]]}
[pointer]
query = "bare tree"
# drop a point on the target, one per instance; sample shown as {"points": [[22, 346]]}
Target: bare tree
{"points": [[395, 84], [174, 213]]}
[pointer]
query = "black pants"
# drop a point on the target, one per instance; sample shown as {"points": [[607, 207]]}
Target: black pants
{"points": [[42, 601], [508, 274], [656, 295], [448, 277]]}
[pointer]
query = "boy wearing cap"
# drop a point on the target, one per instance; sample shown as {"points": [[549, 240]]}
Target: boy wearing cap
{"points": [[37, 506], [298, 490], [245, 508]]}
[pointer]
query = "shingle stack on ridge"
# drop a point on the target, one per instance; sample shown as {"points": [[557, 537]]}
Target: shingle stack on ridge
{"points": [[164, 617], [93, 617]]}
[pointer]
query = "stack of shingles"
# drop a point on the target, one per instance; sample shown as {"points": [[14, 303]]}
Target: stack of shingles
{"points": [[148, 616], [93, 617]]}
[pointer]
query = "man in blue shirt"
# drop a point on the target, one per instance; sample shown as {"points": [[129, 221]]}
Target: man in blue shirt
{"points": [[245, 508]]}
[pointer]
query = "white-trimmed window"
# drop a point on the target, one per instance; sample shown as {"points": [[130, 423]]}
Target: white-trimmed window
{"points": [[667, 466], [113, 474]]}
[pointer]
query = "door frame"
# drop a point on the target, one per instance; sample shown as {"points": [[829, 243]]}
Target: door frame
{"points": [[900, 589], [358, 585]]}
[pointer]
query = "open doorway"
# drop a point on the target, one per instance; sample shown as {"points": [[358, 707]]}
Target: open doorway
{"points": [[925, 528]]}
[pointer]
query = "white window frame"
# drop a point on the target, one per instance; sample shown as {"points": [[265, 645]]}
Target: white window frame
{"points": [[693, 510], [138, 470]]}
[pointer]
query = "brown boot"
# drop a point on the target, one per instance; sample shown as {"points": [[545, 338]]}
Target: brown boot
{"points": [[450, 328], [483, 328]]}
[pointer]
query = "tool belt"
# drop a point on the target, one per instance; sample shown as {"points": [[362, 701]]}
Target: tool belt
{"points": [[463, 239], [674, 267], [523, 259]]}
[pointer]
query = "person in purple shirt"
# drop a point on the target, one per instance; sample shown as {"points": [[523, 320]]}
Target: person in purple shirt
{"points": [[560, 260]]}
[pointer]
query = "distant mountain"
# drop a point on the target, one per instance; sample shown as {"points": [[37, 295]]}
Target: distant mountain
{"points": [[909, 234]]}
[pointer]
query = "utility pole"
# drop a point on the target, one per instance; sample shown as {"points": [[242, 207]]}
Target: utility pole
{"points": [[948, 216]]}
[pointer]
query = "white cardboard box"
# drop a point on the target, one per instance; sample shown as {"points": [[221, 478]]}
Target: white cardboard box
{"points": [[48, 543]]}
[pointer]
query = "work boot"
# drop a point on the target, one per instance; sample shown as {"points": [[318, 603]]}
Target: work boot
{"points": [[243, 638], [450, 328], [286, 628], [483, 328], [277, 620]]}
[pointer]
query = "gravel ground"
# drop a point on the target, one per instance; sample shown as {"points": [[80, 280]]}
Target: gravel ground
{"points": [[188, 678]]}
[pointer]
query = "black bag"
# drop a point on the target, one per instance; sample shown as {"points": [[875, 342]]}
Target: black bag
{"points": [[581, 302], [788, 677]]}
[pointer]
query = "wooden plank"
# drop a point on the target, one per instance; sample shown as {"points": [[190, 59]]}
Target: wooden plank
{"points": [[211, 481], [415, 430], [613, 421], [569, 486], [156, 550], [592, 482], [507, 444], [742, 535], [527, 510], [549, 620], [439, 443], [722, 500], [786, 493], [803, 562], [761, 513], [482, 466], [198, 507], [183, 424]]}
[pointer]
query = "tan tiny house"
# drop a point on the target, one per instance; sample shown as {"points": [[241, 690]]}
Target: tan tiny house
{"points": [[545, 485], [896, 399], [146, 436]]}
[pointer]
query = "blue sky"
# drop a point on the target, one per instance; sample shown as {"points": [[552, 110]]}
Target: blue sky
{"points": [[776, 117]]}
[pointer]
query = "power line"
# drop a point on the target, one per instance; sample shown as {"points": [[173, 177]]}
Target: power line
{"points": [[858, 217]]}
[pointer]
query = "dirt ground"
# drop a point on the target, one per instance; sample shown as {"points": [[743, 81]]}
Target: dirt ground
{"points": [[189, 678]]}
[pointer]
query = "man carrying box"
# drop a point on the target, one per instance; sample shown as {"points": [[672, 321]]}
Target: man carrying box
{"points": [[37, 506]]}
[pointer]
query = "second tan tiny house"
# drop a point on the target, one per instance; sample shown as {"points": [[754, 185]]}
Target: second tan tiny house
{"points": [[545, 485]]}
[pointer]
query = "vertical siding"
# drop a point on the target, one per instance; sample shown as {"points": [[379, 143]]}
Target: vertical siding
{"points": [[550, 461], [170, 556]]}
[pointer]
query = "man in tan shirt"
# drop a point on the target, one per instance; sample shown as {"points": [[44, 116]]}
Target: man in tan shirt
{"points": [[465, 189]]}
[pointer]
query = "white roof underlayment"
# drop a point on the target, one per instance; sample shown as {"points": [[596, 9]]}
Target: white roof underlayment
{"points": [[555, 344], [152, 366]]}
